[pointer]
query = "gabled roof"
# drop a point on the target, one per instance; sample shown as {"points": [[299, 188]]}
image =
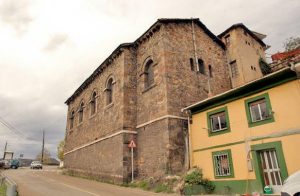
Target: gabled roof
{"points": [[148, 33], [241, 25], [259, 35]]}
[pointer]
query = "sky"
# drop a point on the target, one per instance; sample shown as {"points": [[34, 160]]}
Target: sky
{"points": [[49, 47]]}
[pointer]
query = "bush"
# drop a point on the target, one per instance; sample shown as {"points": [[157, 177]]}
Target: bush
{"points": [[196, 178]]}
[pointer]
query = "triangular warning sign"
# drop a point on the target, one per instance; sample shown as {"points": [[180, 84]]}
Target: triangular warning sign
{"points": [[132, 144]]}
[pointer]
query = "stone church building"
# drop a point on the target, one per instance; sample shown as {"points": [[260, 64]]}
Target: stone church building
{"points": [[137, 93]]}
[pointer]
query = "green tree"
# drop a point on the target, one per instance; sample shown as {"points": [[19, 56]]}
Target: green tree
{"points": [[46, 158], [292, 43], [60, 150]]}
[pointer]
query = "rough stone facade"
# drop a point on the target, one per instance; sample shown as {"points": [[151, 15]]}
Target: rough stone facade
{"points": [[246, 49], [151, 115]]}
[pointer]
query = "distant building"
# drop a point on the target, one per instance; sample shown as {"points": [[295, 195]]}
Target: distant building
{"points": [[244, 50], [245, 138], [137, 94], [8, 155], [25, 162], [285, 59]]}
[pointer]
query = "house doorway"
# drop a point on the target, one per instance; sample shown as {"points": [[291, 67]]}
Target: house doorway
{"points": [[270, 169]]}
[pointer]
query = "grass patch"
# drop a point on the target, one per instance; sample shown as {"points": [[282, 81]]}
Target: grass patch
{"points": [[145, 185], [148, 185], [2, 189], [163, 188]]}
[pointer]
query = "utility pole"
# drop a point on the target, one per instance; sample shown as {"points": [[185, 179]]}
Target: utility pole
{"points": [[43, 144], [5, 147]]}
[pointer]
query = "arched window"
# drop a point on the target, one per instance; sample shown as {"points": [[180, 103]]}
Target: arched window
{"points": [[210, 71], [201, 68], [149, 74], [81, 112], [109, 91], [72, 116], [93, 103]]}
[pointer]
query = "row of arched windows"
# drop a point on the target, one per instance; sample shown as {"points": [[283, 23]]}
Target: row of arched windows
{"points": [[201, 67], [93, 103]]}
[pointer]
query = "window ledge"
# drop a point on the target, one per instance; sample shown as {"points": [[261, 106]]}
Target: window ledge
{"points": [[222, 131], [221, 177], [149, 88], [261, 122], [109, 106]]}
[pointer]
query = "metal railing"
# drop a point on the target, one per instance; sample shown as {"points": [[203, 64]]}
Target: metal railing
{"points": [[11, 186]]}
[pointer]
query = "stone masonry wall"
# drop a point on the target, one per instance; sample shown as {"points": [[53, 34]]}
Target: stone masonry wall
{"points": [[98, 160], [184, 86], [108, 118], [152, 155], [153, 139], [151, 102], [108, 159], [130, 90]]}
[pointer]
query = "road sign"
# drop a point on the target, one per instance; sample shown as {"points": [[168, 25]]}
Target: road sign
{"points": [[132, 144]]}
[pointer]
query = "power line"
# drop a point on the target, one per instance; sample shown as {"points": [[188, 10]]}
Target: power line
{"points": [[14, 130]]}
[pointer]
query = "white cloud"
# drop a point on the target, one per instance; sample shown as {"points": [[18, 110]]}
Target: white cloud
{"points": [[16, 14], [56, 41]]}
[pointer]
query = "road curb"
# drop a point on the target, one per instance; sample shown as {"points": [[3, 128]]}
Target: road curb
{"points": [[11, 186]]}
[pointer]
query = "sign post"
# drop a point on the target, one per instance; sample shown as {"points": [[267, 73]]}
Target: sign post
{"points": [[132, 145]]}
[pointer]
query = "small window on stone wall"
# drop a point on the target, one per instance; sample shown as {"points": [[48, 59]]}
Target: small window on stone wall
{"points": [[109, 91], [149, 74], [192, 64], [227, 40], [201, 68], [210, 71], [72, 116], [93, 103], [81, 108], [234, 69]]}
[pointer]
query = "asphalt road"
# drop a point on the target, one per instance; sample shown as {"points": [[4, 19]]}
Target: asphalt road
{"points": [[50, 182]]}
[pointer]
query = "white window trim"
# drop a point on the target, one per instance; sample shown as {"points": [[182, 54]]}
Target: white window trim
{"points": [[259, 111], [219, 121]]}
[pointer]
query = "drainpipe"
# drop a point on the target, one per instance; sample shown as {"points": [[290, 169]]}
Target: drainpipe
{"points": [[195, 47], [188, 143], [196, 58]]}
